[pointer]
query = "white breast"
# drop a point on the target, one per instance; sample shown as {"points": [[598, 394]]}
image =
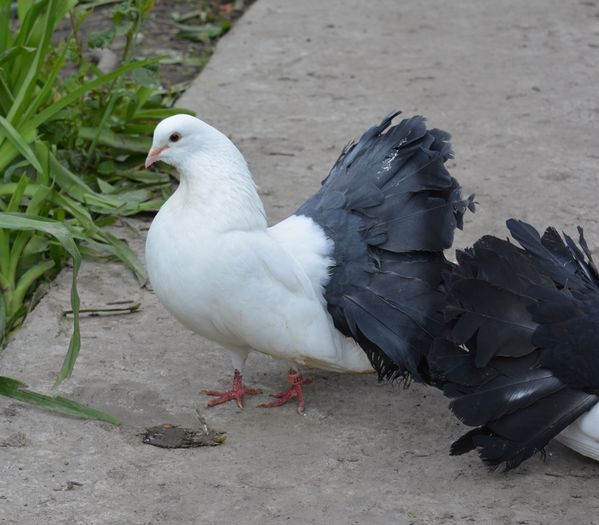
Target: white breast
{"points": [[185, 277]]}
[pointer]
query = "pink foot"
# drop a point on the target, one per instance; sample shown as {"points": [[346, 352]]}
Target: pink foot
{"points": [[237, 392], [296, 380]]}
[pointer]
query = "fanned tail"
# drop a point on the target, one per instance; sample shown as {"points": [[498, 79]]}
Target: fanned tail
{"points": [[516, 407], [391, 208], [520, 356]]}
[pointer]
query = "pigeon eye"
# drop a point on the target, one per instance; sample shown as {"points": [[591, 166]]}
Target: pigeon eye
{"points": [[174, 137]]}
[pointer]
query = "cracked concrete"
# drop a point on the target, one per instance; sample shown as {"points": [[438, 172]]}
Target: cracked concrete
{"points": [[516, 85]]}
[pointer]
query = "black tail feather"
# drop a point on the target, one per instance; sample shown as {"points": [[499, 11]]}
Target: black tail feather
{"points": [[528, 322], [468, 442], [516, 407]]}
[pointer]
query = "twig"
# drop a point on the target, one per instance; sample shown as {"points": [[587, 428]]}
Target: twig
{"points": [[94, 312]]}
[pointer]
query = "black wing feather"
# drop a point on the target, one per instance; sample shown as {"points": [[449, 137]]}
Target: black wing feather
{"points": [[391, 208]]}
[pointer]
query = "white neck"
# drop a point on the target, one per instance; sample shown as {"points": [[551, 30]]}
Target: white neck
{"points": [[216, 184]]}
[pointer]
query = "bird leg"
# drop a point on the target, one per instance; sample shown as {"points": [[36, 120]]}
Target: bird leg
{"points": [[296, 380], [236, 392]]}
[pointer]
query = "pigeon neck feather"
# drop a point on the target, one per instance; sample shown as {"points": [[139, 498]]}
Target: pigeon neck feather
{"points": [[216, 183]]}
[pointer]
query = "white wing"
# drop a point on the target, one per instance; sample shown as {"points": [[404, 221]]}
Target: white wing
{"points": [[271, 303], [307, 243]]}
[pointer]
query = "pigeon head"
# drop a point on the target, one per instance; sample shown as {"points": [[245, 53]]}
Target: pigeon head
{"points": [[176, 137]]}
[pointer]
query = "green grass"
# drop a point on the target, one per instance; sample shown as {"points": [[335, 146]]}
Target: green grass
{"points": [[72, 144]]}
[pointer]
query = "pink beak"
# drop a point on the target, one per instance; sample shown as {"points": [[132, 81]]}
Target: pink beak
{"points": [[153, 155]]}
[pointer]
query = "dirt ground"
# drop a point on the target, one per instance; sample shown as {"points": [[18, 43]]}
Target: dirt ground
{"points": [[161, 34], [516, 85]]}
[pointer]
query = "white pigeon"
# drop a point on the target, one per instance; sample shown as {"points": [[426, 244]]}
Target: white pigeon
{"points": [[348, 283]]}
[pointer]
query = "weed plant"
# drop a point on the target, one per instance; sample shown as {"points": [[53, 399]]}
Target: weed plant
{"points": [[72, 144]]}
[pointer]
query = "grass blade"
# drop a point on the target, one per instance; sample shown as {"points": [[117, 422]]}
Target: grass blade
{"points": [[121, 250], [2, 320], [6, 98], [50, 111], [22, 97], [16, 390], [4, 26], [14, 221], [19, 143], [114, 140], [15, 199], [14, 51]]}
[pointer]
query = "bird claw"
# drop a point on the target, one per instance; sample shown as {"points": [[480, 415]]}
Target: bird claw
{"points": [[236, 392], [297, 381]]}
